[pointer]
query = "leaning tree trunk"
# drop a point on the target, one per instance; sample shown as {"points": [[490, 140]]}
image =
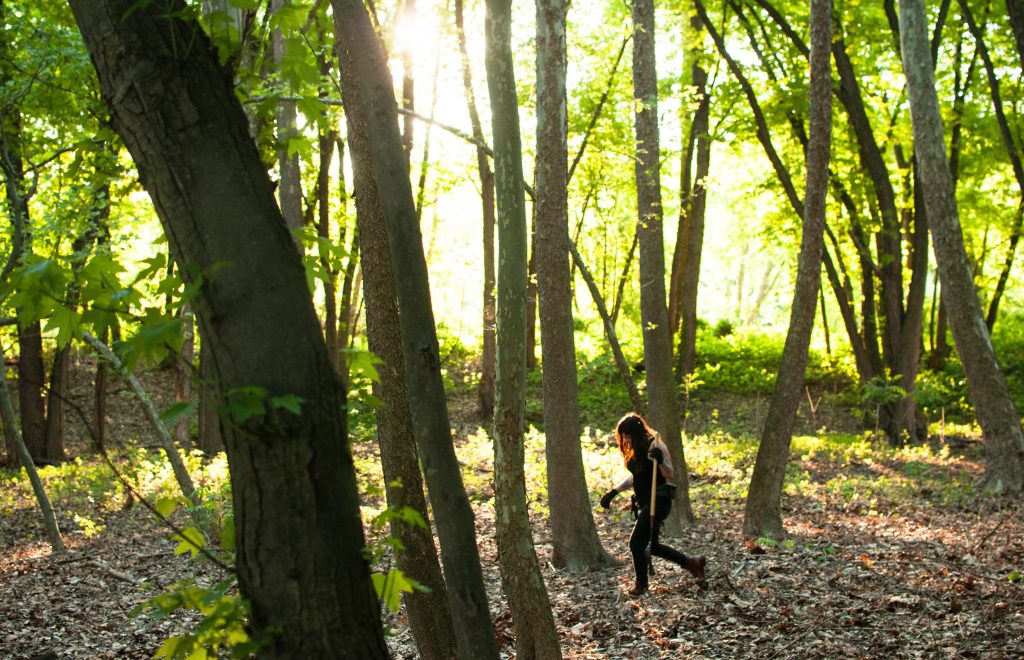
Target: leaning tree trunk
{"points": [[429, 614], [575, 543], [517, 559], [370, 101], [1000, 423], [298, 532], [762, 515], [662, 400], [15, 440]]}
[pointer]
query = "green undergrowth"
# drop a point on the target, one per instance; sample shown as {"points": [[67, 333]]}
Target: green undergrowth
{"points": [[85, 491]]}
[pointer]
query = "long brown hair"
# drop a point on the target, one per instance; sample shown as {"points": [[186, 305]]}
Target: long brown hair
{"points": [[633, 436]]}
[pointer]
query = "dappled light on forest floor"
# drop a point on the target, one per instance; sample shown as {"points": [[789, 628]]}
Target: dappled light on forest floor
{"points": [[890, 553]]}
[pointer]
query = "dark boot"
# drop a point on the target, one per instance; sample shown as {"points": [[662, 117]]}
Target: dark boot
{"points": [[696, 566], [638, 590]]}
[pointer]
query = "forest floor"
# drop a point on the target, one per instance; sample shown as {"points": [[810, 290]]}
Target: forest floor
{"points": [[889, 555]]}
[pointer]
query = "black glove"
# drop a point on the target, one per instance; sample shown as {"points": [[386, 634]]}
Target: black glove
{"points": [[656, 454], [606, 499]]}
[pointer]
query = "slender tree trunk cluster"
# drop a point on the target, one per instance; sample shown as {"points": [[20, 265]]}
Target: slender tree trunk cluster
{"points": [[370, 102]]}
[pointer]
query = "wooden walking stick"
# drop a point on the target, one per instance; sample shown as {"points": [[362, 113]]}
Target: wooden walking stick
{"points": [[650, 537]]}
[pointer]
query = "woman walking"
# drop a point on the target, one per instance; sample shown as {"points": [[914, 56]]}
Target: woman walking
{"points": [[641, 451]]}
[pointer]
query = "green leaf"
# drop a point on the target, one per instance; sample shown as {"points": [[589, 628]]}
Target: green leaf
{"points": [[1015, 577], [176, 412], [362, 363], [227, 533], [199, 654], [290, 16], [390, 587], [245, 403], [191, 541], [290, 402], [165, 506], [172, 646]]}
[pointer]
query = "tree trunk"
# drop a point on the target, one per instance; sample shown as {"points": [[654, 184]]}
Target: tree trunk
{"points": [[183, 371], [520, 574], [298, 532], [370, 101], [1000, 423], [55, 395], [408, 80], [289, 190], [485, 391], [211, 438], [663, 403], [762, 515], [574, 537], [694, 225], [31, 377], [323, 232], [99, 394], [531, 298], [429, 614], [627, 267]]}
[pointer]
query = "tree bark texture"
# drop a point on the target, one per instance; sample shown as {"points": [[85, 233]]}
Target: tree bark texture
{"points": [[298, 531], [429, 613], [517, 559], [1000, 423], [662, 399], [762, 515], [369, 101], [575, 544]]}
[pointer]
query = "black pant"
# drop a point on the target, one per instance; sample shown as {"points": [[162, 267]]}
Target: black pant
{"points": [[642, 534]]}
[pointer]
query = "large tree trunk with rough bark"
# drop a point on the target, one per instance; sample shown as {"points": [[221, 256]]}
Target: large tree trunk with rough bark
{"points": [[574, 539], [298, 532], [369, 101], [662, 400], [1000, 423], [762, 515]]}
